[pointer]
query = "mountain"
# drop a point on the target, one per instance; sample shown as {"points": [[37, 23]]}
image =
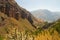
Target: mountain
{"points": [[12, 9], [46, 15], [14, 20], [16, 23]]}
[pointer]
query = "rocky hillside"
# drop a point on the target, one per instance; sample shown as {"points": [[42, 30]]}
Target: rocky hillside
{"points": [[12, 9], [15, 21]]}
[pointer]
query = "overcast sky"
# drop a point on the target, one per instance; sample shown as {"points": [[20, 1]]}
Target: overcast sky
{"points": [[31, 5]]}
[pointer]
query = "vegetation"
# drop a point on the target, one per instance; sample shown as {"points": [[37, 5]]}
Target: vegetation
{"points": [[56, 26], [18, 24], [1, 38], [13, 29]]}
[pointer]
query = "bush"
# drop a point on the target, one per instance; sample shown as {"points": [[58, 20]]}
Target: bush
{"points": [[1, 38], [56, 26]]}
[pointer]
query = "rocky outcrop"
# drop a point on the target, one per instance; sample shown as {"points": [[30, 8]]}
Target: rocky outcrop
{"points": [[12, 9]]}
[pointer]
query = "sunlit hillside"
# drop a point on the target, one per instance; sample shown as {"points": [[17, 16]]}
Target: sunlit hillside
{"points": [[17, 23], [52, 33]]}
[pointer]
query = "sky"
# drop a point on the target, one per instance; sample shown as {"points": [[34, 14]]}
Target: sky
{"points": [[31, 5]]}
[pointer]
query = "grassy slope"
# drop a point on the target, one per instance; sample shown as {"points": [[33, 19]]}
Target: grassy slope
{"points": [[52, 33], [10, 23]]}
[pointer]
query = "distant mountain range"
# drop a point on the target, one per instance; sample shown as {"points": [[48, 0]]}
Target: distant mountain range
{"points": [[46, 15]]}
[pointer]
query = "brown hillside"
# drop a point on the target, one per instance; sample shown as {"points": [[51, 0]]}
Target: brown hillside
{"points": [[12, 9], [11, 14]]}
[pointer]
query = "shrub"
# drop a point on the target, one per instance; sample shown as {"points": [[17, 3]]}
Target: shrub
{"points": [[1, 38]]}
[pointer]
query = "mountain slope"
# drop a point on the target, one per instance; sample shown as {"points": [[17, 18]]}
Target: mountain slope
{"points": [[9, 22], [46, 15], [16, 23], [12, 9], [14, 20], [51, 33]]}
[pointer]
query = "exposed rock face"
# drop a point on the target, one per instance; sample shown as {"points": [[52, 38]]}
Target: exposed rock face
{"points": [[11, 8]]}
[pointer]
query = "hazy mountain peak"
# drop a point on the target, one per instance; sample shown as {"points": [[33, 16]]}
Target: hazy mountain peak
{"points": [[46, 15]]}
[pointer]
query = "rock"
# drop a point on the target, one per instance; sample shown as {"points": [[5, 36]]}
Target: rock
{"points": [[12, 9]]}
